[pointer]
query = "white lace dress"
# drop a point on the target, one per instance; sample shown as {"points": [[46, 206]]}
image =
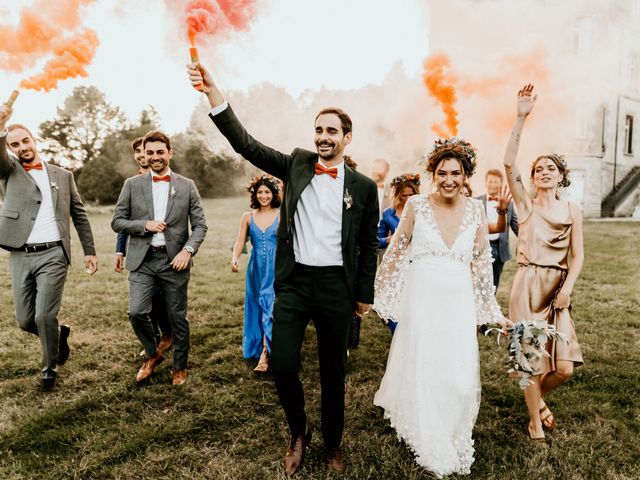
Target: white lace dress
{"points": [[431, 388]]}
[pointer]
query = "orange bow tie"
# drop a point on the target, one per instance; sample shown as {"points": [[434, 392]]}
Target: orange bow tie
{"points": [[320, 169], [29, 166], [165, 178]]}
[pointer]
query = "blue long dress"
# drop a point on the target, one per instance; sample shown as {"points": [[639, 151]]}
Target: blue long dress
{"points": [[259, 295]]}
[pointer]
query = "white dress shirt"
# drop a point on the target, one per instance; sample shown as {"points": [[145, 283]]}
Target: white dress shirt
{"points": [[45, 228], [160, 192], [492, 217], [317, 223]]}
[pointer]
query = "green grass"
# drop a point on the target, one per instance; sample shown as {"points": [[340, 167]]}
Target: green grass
{"points": [[226, 423]]}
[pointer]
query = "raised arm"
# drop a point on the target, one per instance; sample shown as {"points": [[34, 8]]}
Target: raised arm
{"points": [[241, 239], [521, 196], [6, 165], [262, 156]]}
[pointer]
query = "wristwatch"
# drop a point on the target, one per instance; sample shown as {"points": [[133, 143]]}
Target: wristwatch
{"points": [[189, 249]]}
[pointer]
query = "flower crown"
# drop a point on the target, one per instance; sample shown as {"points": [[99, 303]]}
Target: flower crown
{"points": [[406, 178], [469, 149], [265, 179]]}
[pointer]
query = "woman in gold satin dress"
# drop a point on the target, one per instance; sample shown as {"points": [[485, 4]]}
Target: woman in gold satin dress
{"points": [[550, 256]]}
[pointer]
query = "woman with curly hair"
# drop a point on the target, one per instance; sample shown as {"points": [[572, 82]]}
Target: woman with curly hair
{"points": [[550, 257], [260, 225], [436, 280]]}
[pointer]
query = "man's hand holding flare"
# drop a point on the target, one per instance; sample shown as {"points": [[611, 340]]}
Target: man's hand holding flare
{"points": [[202, 81]]}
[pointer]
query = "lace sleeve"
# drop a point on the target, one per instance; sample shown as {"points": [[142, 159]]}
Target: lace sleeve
{"points": [[390, 276], [487, 308]]}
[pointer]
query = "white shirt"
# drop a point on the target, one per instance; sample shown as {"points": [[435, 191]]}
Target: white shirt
{"points": [[45, 228], [317, 223], [492, 217], [160, 192], [380, 199]]}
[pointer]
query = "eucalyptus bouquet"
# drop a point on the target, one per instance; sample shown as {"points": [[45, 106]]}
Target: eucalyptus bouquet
{"points": [[526, 343]]}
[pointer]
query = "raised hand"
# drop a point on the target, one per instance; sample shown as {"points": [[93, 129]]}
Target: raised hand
{"points": [[526, 100], [5, 114], [202, 80], [504, 199]]}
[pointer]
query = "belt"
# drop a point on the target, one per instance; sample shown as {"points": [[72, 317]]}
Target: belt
{"points": [[37, 247], [159, 248]]}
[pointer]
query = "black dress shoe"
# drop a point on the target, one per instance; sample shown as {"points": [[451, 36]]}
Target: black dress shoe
{"points": [[63, 344], [47, 385]]}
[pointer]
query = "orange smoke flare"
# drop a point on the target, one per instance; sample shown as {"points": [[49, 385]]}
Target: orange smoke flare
{"points": [[72, 55], [42, 31], [212, 17], [440, 83]]}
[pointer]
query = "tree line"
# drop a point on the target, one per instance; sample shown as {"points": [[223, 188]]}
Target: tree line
{"points": [[93, 138]]}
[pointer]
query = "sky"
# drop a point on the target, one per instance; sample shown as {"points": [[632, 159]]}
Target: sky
{"points": [[295, 44]]}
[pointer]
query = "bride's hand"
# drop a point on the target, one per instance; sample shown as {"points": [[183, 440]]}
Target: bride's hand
{"points": [[526, 100], [505, 324]]}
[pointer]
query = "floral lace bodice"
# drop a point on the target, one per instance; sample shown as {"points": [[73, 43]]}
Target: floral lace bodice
{"points": [[419, 236]]}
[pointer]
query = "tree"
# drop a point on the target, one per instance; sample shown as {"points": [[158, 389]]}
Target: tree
{"points": [[78, 132], [215, 175]]}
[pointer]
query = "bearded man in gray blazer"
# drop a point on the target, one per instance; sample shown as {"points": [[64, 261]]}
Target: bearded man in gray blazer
{"points": [[155, 210], [39, 200]]}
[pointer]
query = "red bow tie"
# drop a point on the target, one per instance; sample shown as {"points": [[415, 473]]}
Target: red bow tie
{"points": [[320, 169], [29, 166], [492, 199], [166, 178]]}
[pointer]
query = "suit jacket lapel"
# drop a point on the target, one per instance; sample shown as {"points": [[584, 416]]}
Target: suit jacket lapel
{"points": [[53, 180], [172, 184], [148, 195], [297, 187], [347, 204]]}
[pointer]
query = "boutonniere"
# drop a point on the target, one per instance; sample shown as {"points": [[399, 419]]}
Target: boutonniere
{"points": [[54, 186], [348, 201], [172, 192]]}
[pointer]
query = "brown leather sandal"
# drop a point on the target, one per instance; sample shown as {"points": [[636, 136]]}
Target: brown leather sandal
{"points": [[548, 421]]}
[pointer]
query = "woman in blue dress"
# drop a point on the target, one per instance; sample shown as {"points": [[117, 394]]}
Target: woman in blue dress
{"points": [[260, 225], [404, 186]]}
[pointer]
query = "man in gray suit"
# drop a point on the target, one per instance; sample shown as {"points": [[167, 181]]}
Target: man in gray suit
{"points": [[499, 241], [39, 200], [155, 210]]}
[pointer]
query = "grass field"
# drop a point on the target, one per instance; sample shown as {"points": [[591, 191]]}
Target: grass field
{"points": [[226, 423]]}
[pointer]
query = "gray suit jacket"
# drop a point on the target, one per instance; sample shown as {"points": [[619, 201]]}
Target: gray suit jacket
{"points": [[135, 208], [22, 199], [512, 222]]}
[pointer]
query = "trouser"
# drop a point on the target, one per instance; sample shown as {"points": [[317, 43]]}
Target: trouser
{"points": [[497, 264], [322, 295], [156, 269], [158, 316], [38, 282]]}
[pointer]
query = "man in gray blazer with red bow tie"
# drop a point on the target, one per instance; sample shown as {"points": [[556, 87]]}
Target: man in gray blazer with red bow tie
{"points": [[39, 202], [325, 262], [155, 210]]}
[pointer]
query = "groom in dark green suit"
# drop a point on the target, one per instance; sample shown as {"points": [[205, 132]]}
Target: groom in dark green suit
{"points": [[325, 261]]}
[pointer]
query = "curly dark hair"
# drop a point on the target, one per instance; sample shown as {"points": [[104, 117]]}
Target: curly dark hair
{"points": [[560, 162], [456, 148], [268, 181]]}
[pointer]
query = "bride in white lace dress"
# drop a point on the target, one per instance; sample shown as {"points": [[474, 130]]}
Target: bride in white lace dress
{"points": [[436, 281]]}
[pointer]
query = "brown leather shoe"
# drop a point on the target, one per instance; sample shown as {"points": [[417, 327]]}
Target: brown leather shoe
{"points": [[148, 367], [335, 460], [165, 343], [295, 453], [178, 377]]}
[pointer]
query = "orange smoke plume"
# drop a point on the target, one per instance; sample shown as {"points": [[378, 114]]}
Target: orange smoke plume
{"points": [[41, 32], [440, 82], [211, 17]]}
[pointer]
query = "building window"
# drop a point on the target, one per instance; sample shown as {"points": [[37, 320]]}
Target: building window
{"points": [[628, 135]]}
